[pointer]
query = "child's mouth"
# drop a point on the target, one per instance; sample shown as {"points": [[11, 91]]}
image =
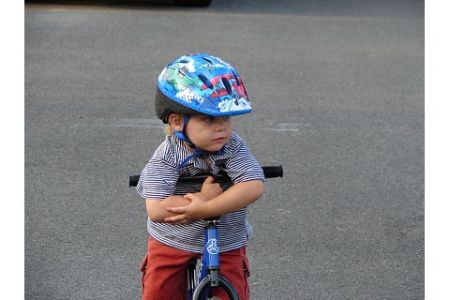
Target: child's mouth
{"points": [[220, 139]]}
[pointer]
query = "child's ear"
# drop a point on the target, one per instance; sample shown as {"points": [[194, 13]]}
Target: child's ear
{"points": [[176, 121]]}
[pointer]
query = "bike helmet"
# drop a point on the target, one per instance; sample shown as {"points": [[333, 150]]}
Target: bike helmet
{"points": [[200, 83]]}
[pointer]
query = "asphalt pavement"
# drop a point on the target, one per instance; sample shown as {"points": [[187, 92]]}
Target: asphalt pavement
{"points": [[338, 92]]}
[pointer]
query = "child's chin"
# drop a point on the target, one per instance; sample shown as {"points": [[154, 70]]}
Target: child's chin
{"points": [[214, 148]]}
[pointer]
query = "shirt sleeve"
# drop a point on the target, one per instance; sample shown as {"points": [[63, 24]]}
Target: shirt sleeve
{"points": [[158, 180], [242, 165]]}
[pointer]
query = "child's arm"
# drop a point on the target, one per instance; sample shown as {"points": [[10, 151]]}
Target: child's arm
{"points": [[236, 197], [157, 209]]}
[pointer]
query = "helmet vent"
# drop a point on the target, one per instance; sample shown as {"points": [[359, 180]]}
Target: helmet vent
{"points": [[205, 81], [227, 85], [236, 78], [182, 71], [207, 60]]}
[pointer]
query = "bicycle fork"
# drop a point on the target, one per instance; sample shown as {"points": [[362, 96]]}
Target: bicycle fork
{"points": [[210, 259], [206, 269], [210, 277]]}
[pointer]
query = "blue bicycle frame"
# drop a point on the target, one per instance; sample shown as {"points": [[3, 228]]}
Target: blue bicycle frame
{"points": [[210, 258], [209, 276]]}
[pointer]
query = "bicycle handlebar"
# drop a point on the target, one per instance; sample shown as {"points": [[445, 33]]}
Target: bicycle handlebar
{"points": [[269, 172]]}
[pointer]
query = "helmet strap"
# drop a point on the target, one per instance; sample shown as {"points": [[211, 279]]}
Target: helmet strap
{"points": [[197, 152], [182, 135]]}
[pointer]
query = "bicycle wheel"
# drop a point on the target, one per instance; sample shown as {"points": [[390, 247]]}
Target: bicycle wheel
{"points": [[201, 292]]}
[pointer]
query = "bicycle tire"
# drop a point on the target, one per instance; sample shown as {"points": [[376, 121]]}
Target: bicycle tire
{"points": [[204, 285]]}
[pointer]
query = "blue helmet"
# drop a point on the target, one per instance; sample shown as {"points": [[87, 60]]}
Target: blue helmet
{"points": [[200, 83]]}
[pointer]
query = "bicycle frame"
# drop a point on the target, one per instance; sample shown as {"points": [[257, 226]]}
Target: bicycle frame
{"points": [[210, 260]]}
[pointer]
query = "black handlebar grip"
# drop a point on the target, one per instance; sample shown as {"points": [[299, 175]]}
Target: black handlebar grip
{"points": [[134, 179], [269, 172], [273, 171]]}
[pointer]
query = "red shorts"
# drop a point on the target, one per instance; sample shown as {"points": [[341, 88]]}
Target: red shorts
{"points": [[164, 272]]}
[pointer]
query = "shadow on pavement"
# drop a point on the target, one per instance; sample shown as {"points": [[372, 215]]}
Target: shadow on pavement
{"points": [[399, 8]]}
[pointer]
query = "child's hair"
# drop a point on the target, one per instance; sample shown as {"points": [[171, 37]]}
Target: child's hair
{"points": [[168, 130]]}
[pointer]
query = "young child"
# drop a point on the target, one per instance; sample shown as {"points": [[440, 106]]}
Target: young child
{"points": [[196, 96]]}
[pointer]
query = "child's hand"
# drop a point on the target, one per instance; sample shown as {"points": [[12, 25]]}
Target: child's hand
{"points": [[210, 189], [186, 214]]}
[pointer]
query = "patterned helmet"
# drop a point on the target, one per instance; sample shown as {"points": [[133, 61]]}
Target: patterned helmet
{"points": [[200, 83]]}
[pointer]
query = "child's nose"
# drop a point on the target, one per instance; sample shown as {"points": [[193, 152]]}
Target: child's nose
{"points": [[220, 123]]}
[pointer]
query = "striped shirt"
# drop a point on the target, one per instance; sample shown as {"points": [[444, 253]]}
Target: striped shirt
{"points": [[158, 180]]}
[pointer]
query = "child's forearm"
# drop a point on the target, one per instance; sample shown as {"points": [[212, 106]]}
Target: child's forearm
{"points": [[236, 197], [156, 209]]}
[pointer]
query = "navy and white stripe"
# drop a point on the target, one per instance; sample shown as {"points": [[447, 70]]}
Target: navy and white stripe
{"points": [[159, 180]]}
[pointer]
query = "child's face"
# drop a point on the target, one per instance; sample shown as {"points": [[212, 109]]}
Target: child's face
{"points": [[209, 133]]}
